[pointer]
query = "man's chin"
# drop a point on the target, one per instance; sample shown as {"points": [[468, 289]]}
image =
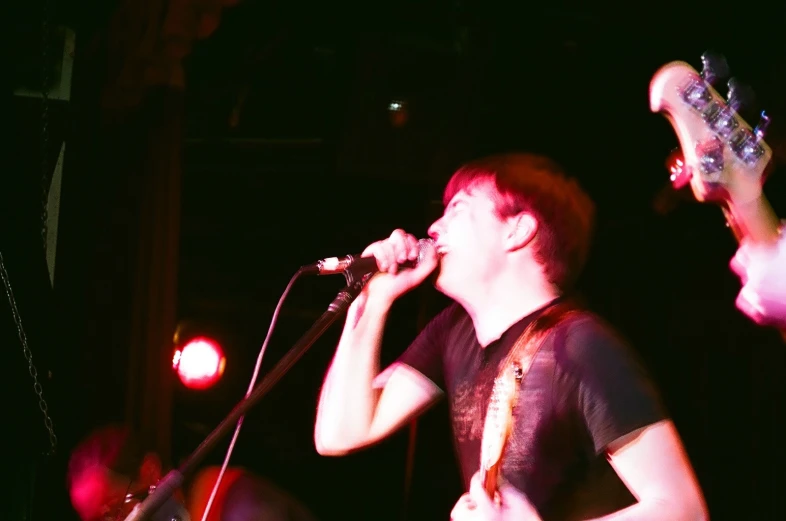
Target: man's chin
{"points": [[443, 286]]}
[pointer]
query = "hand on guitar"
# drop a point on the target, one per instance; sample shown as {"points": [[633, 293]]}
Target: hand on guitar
{"points": [[762, 271], [476, 505], [726, 162]]}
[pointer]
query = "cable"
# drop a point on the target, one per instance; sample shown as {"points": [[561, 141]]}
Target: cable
{"points": [[248, 392]]}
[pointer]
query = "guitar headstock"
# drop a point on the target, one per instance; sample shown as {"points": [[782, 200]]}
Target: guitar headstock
{"points": [[723, 159]]}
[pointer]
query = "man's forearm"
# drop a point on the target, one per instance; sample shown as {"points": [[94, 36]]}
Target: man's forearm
{"points": [[658, 511], [348, 400]]}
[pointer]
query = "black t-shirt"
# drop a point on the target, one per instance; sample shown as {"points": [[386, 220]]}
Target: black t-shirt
{"points": [[585, 389]]}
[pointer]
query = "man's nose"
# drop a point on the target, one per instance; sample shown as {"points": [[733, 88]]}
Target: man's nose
{"points": [[435, 229]]}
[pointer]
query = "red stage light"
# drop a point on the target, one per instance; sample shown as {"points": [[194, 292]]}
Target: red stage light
{"points": [[200, 363], [679, 172]]}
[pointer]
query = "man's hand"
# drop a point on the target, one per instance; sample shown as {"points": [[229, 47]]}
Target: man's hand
{"points": [[762, 271], [390, 283], [509, 505]]}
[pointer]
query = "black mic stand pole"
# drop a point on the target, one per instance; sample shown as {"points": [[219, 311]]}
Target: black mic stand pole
{"points": [[165, 488]]}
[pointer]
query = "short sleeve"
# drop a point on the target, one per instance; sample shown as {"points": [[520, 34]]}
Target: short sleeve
{"points": [[425, 353], [612, 391]]}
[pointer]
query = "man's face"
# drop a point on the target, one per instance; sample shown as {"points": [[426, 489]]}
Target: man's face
{"points": [[469, 238]]}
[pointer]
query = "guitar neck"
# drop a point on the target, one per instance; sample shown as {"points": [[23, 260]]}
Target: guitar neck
{"points": [[754, 220], [490, 479]]}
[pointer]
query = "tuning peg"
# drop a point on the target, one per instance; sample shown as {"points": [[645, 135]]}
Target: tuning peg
{"points": [[761, 128], [747, 145], [739, 95], [714, 67]]}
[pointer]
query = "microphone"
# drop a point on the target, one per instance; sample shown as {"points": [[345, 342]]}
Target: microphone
{"points": [[334, 265]]}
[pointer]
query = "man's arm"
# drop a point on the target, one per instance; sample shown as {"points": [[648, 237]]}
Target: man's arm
{"points": [[630, 426], [353, 414], [654, 465]]}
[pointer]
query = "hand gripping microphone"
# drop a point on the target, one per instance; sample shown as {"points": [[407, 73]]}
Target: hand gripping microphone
{"points": [[358, 264]]}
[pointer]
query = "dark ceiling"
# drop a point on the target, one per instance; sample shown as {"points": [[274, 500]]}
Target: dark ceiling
{"points": [[477, 76]]}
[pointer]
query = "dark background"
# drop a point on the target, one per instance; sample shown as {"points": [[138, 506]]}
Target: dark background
{"points": [[174, 211]]}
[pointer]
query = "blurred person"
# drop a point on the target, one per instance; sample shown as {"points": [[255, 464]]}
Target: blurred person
{"points": [[110, 465]]}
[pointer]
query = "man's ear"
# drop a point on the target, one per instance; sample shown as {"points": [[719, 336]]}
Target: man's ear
{"points": [[523, 228]]}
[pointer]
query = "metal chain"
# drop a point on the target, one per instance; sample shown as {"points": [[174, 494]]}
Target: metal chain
{"points": [[39, 391], [45, 180], [45, 173]]}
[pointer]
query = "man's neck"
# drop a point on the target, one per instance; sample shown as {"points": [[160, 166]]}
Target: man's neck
{"points": [[505, 304]]}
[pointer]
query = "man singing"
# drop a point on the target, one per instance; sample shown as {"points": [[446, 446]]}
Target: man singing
{"points": [[591, 440]]}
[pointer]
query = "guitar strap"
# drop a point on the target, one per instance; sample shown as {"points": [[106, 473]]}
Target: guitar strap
{"points": [[523, 352], [516, 366]]}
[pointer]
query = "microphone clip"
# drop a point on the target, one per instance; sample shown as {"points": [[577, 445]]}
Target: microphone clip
{"points": [[355, 273]]}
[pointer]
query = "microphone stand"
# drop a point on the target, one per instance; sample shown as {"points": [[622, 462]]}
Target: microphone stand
{"points": [[165, 488]]}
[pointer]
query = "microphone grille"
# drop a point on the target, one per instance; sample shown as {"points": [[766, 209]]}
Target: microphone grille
{"points": [[423, 247]]}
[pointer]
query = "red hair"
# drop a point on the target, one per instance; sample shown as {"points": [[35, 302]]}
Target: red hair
{"points": [[537, 185]]}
